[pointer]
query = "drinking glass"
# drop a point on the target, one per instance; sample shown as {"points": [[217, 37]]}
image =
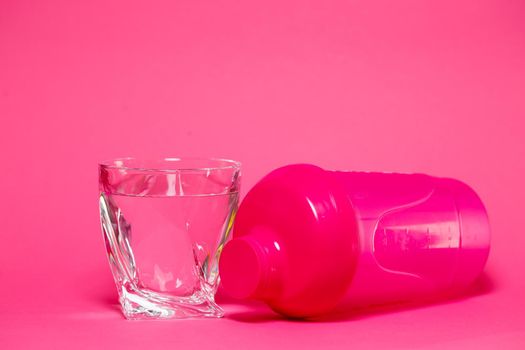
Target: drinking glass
{"points": [[165, 223]]}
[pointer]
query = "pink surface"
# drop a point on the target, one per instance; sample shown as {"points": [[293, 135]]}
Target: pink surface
{"points": [[433, 87]]}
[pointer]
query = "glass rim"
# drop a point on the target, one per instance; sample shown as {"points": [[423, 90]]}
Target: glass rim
{"points": [[113, 164]]}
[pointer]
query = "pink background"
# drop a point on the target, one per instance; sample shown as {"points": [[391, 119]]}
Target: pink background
{"points": [[415, 86]]}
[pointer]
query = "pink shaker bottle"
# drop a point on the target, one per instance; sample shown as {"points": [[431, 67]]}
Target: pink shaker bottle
{"points": [[307, 241]]}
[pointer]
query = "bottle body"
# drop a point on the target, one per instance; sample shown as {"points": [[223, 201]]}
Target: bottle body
{"points": [[420, 237], [308, 241]]}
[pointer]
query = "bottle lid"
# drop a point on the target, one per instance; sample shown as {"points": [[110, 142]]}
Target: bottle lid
{"points": [[242, 268]]}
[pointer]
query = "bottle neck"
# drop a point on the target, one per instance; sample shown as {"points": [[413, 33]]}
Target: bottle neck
{"points": [[250, 265]]}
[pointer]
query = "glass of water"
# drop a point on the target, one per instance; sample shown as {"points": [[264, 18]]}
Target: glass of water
{"points": [[165, 223]]}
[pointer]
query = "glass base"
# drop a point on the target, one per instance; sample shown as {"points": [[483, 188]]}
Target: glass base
{"points": [[142, 305]]}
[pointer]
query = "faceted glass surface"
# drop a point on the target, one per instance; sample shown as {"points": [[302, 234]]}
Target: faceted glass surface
{"points": [[165, 223]]}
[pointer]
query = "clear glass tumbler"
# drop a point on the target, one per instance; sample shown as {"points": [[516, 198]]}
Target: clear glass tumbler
{"points": [[165, 223]]}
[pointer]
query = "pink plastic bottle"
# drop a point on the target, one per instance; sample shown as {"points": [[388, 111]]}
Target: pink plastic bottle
{"points": [[307, 241]]}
